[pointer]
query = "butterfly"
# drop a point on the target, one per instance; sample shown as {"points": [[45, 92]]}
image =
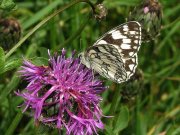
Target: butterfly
{"points": [[114, 55]]}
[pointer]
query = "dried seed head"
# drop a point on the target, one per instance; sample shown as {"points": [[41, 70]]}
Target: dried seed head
{"points": [[100, 11]]}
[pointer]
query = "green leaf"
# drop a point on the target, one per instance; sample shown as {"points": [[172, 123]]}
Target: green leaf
{"points": [[176, 132], [11, 64], [40, 61], [43, 52], [121, 121], [14, 124], [7, 4], [2, 60], [10, 86], [108, 130]]}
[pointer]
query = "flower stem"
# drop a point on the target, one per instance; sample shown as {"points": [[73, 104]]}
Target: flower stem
{"points": [[44, 21], [14, 123], [115, 103]]}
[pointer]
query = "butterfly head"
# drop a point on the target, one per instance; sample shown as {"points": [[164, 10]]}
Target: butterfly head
{"points": [[84, 59]]}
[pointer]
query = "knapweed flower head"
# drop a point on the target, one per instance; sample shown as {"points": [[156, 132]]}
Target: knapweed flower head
{"points": [[64, 94], [149, 14]]}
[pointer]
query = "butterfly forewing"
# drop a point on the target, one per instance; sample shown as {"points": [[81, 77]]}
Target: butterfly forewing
{"points": [[114, 55], [126, 36]]}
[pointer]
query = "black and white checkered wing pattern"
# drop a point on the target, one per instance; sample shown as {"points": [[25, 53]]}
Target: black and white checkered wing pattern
{"points": [[127, 37], [114, 55], [107, 61]]}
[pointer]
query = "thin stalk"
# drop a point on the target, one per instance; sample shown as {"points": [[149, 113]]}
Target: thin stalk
{"points": [[14, 123], [115, 103], [44, 21]]}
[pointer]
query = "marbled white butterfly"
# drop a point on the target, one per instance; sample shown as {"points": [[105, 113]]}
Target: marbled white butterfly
{"points": [[114, 55]]}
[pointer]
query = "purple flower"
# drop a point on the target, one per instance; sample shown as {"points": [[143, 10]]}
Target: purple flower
{"points": [[63, 94]]}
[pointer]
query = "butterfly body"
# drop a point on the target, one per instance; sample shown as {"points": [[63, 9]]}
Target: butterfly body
{"points": [[114, 55]]}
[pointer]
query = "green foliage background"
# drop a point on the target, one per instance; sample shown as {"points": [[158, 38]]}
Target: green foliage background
{"points": [[154, 110]]}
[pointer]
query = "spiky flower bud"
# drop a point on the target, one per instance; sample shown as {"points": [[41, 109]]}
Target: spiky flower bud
{"points": [[100, 11], [133, 86], [149, 14], [10, 32]]}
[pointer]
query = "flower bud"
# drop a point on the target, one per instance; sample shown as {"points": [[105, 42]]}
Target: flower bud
{"points": [[133, 87], [149, 14], [100, 11], [10, 32]]}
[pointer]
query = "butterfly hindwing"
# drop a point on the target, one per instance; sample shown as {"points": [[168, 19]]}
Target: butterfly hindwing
{"points": [[107, 61]]}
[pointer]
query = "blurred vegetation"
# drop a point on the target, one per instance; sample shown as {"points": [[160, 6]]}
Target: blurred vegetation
{"points": [[153, 109]]}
